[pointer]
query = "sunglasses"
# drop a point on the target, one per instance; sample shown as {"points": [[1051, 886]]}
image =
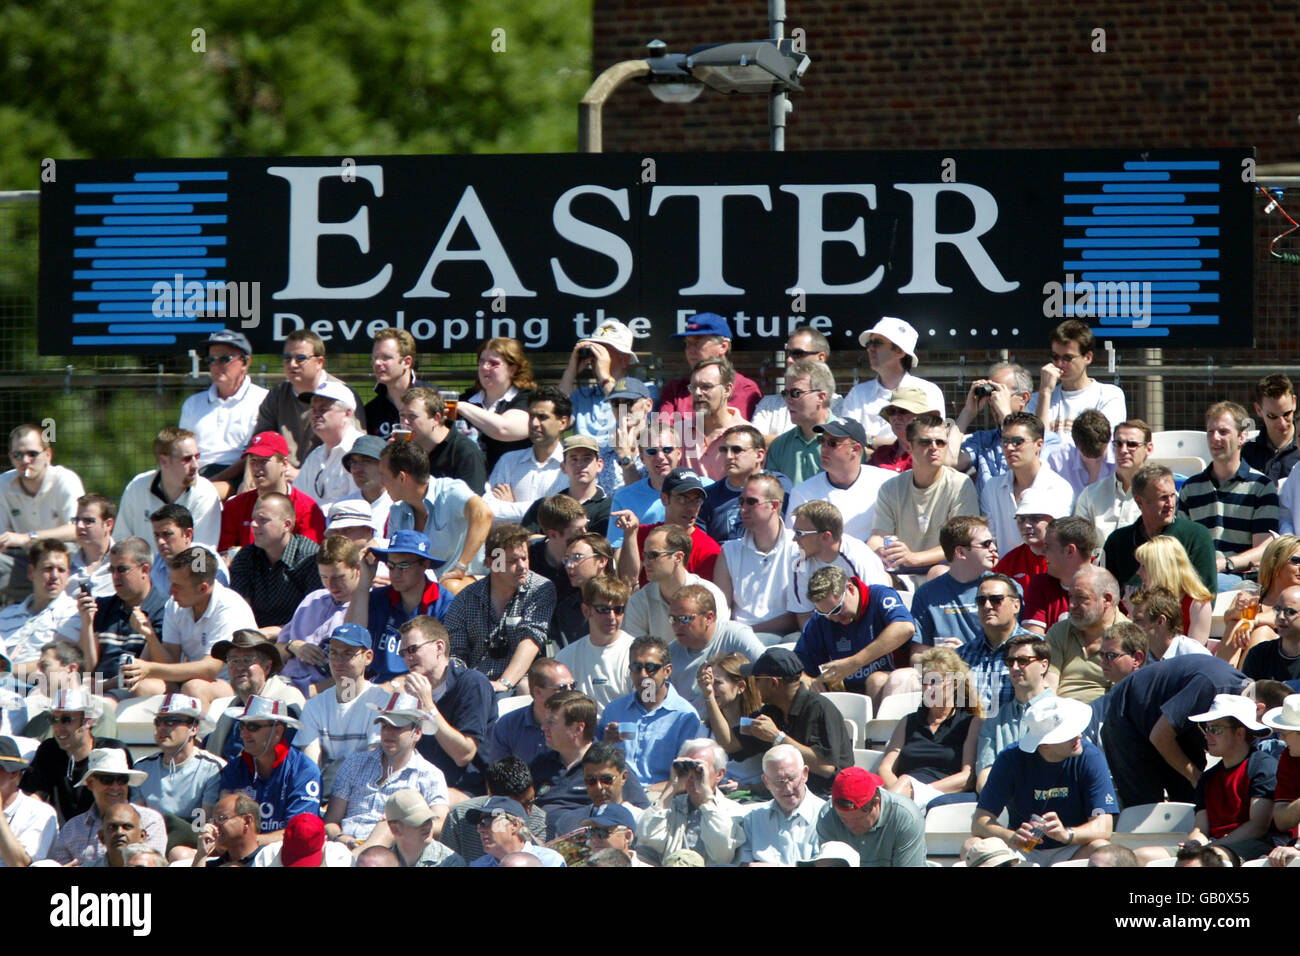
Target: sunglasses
{"points": [[609, 608], [1013, 442], [219, 360], [602, 832], [1217, 729], [112, 779], [837, 608], [1130, 445], [1108, 656], [733, 449], [257, 726], [297, 358], [66, 719], [683, 618], [171, 721], [804, 534], [405, 565], [798, 355], [795, 393], [995, 600], [843, 803], [411, 650], [1022, 661], [878, 343], [664, 450], [829, 442], [650, 667], [936, 442], [750, 501], [988, 543], [604, 779], [655, 555]]}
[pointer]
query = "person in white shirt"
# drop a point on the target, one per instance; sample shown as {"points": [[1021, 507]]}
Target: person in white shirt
{"points": [[525, 475], [223, 415], [336, 723], [599, 661], [1088, 458], [37, 500], [201, 612], [846, 482], [891, 351], [1159, 613], [47, 615], [754, 572], [819, 535], [362, 463], [1064, 388], [176, 480], [333, 419], [1108, 503], [1022, 443], [28, 826], [772, 416], [667, 549]]}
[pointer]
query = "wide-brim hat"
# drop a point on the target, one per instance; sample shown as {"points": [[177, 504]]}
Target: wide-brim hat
{"points": [[613, 334], [897, 331], [909, 398], [182, 705], [1053, 720], [1242, 709], [834, 850], [402, 709], [367, 446], [111, 760], [1286, 717], [247, 638], [264, 708], [406, 542], [1040, 501], [11, 755]]}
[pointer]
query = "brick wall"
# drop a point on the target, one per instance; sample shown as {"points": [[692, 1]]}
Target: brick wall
{"points": [[977, 74]]}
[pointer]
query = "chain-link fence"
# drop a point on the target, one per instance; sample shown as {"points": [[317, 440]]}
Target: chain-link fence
{"points": [[104, 411]]}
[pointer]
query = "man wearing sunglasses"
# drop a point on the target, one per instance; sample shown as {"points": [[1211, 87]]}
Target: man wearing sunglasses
{"points": [[605, 774], [89, 565], [744, 455], [598, 662], [33, 493], [853, 635], [282, 780], [654, 720], [253, 662], [520, 731], [181, 781], [60, 762], [1279, 659], [885, 828], [997, 602], [776, 414], [808, 402], [755, 570], [819, 534], [222, 416], [913, 506], [284, 412], [700, 637], [1027, 659], [110, 781], [612, 826], [1022, 444], [1108, 503]]}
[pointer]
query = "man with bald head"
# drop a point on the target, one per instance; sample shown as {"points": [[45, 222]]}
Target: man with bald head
{"points": [[278, 569], [1075, 641], [119, 829]]}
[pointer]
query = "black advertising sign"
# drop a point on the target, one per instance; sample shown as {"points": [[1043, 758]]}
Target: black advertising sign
{"points": [[976, 249]]}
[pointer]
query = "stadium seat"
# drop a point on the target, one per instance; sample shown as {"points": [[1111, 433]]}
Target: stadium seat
{"points": [[135, 720], [1262, 861], [1165, 817], [1180, 444], [507, 704], [867, 759], [1071, 863], [1168, 861], [898, 706], [879, 731], [947, 828], [855, 707]]}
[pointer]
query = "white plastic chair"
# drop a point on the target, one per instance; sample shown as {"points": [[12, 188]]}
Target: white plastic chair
{"points": [[1180, 444], [1262, 861], [867, 759], [1165, 817], [508, 704], [135, 720], [898, 706], [879, 731], [856, 708], [947, 827]]}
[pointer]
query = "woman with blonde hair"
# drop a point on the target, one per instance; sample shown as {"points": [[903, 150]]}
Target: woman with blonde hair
{"points": [[1279, 569], [932, 751], [1163, 563], [498, 410]]}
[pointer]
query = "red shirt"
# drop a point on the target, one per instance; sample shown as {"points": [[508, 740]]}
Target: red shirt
{"points": [[237, 512], [1045, 600], [1288, 782], [676, 397], [892, 457], [1020, 565], [1225, 794], [704, 551]]}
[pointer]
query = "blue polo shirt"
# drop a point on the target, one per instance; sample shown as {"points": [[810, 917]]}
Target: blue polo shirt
{"points": [[386, 615], [444, 525], [465, 702], [823, 640], [1076, 789], [292, 788], [518, 734], [945, 607], [660, 732]]}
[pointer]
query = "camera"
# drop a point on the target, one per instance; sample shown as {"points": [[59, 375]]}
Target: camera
{"points": [[983, 391], [586, 352], [684, 765]]}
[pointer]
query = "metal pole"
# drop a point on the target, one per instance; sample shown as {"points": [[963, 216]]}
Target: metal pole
{"points": [[590, 134], [777, 103]]}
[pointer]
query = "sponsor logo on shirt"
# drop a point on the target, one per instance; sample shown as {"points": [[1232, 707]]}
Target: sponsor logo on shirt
{"points": [[1052, 793]]}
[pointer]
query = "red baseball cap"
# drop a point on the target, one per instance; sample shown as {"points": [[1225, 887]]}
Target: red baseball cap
{"points": [[266, 444], [304, 841], [854, 784]]}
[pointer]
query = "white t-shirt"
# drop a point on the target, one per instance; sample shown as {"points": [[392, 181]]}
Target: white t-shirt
{"points": [[647, 611], [761, 583], [855, 558], [341, 728], [1066, 406], [222, 427], [1182, 646], [54, 504], [527, 479], [24, 633], [139, 502], [34, 823], [857, 503], [866, 399], [599, 672], [227, 612], [336, 854], [323, 476], [998, 502], [772, 417]]}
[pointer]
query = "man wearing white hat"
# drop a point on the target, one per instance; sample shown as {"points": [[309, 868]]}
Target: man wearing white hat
{"points": [[62, 760], [181, 779], [1286, 797], [369, 777], [108, 778], [28, 827], [607, 354], [283, 780], [333, 419], [891, 350], [1054, 785], [1027, 559], [1022, 444], [1234, 798]]}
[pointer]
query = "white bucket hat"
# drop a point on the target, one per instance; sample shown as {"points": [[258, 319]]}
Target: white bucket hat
{"points": [[182, 705], [402, 709], [1053, 720], [1232, 705], [615, 335], [834, 850], [111, 760], [1286, 717], [1039, 501], [264, 708], [898, 332]]}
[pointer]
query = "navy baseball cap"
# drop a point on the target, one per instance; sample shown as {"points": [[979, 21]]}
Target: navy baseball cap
{"points": [[775, 662], [367, 446], [705, 323], [682, 479], [611, 815], [494, 807], [629, 390], [236, 340], [846, 428], [405, 542], [354, 635]]}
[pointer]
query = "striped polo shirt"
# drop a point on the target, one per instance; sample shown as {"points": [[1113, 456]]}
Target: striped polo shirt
{"points": [[1234, 511]]}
